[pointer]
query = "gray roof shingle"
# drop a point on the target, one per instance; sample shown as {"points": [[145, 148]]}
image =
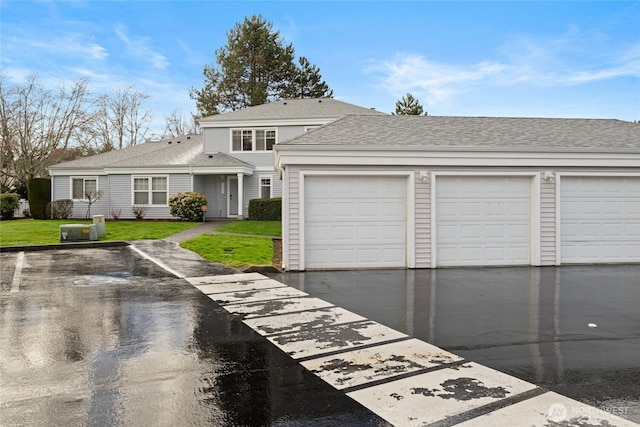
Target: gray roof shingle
{"points": [[433, 132], [293, 109], [186, 150]]}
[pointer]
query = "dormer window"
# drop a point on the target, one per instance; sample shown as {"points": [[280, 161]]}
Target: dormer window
{"points": [[253, 139]]}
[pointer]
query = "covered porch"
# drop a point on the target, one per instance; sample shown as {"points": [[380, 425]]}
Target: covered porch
{"points": [[226, 192]]}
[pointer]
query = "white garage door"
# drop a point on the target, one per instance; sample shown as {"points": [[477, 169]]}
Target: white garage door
{"points": [[600, 219], [483, 221], [354, 222]]}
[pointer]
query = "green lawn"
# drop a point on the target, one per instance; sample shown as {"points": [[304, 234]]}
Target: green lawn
{"points": [[35, 231], [259, 228], [238, 251], [234, 251]]}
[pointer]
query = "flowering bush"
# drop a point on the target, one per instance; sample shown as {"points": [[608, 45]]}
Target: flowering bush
{"points": [[187, 206]]}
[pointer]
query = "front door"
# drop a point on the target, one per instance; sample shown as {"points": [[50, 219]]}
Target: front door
{"points": [[232, 197]]}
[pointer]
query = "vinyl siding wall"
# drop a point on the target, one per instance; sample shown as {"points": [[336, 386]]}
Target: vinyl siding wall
{"points": [[423, 221], [62, 190], [547, 222]]}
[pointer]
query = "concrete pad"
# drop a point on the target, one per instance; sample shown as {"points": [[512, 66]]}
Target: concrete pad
{"points": [[257, 295], [217, 288], [276, 307], [549, 409], [225, 278], [288, 323], [318, 341], [435, 396], [377, 363]]}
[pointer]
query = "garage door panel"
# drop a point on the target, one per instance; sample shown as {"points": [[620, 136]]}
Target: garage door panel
{"points": [[363, 218], [599, 219], [483, 221]]}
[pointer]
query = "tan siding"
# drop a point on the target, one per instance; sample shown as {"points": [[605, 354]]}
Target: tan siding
{"points": [[294, 219], [547, 222], [423, 221]]}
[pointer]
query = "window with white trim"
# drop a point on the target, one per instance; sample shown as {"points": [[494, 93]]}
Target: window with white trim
{"points": [[265, 187], [253, 139], [82, 186], [150, 190]]}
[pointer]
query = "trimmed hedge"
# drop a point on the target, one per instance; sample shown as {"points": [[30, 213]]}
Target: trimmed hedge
{"points": [[39, 196], [9, 202], [187, 206], [265, 209]]}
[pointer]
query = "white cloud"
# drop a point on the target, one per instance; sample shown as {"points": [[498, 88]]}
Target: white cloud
{"points": [[407, 73], [533, 64], [140, 47]]}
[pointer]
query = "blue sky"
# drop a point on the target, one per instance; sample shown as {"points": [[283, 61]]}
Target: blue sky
{"points": [[507, 58]]}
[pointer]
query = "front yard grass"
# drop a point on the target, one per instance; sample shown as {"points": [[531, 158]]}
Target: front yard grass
{"points": [[259, 228], [238, 251], [38, 232], [234, 251]]}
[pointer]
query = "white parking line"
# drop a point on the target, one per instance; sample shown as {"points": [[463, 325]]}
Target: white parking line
{"points": [[405, 381], [157, 262], [17, 275]]}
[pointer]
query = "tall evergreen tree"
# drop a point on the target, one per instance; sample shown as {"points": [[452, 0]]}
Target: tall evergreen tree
{"points": [[308, 82], [409, 106], [254, 67]]}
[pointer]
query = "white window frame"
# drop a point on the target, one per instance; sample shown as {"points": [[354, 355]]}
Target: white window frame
{"points": [[253, 139], [260, 186], [150, 190], [84, 185]]}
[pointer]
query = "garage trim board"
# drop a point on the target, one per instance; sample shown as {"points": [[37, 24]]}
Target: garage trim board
{"points": [[407, 177]]}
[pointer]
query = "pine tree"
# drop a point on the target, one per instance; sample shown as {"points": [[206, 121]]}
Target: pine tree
{"points": [[308, 82], [409, 106], [254, 67]]}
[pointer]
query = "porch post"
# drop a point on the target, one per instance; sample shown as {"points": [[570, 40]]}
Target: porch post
{"points": [[240, 194]]}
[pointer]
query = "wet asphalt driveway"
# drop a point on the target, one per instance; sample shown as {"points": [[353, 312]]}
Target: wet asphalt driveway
{"points": [[574, 330], [107, 337]]}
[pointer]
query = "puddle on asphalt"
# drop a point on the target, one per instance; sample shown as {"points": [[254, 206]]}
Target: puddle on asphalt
{"points": [[117, 278]]}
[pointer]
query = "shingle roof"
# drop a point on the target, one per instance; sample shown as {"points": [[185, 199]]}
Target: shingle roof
{"points": [[186, 150], [293, 109], [474, 132]]}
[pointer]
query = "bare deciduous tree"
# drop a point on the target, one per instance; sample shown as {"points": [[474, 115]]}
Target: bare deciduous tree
{"points": [[36, 123], [176, 124], [120, 119]]}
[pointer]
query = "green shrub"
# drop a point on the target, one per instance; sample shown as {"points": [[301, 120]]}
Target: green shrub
{"points": [[9, 202], [60, 209], [187, 206], [39, 197], [265, 209]]}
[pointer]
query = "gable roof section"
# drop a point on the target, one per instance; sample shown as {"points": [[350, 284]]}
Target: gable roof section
{"points": [[291, 109], [473, 133], [185, 151]]}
